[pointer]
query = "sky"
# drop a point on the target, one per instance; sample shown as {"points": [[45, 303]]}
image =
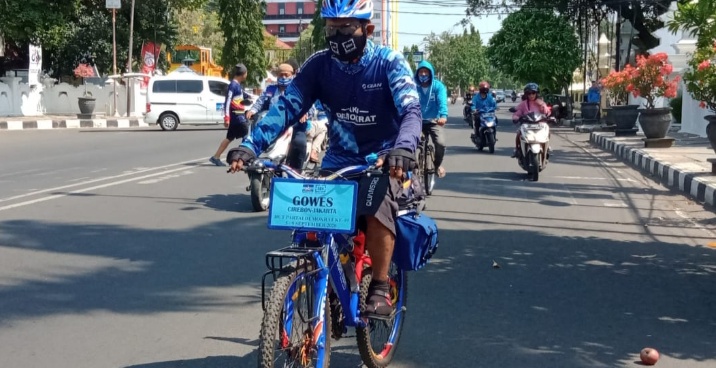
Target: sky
{"points": [[417, 18]]}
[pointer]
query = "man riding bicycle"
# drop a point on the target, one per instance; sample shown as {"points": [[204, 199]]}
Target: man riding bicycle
{"points": [[373, 107], [433, 104]]}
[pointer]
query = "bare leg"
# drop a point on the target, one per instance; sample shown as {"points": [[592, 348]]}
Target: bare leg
{"points": [[379, 242], [222, 147]]}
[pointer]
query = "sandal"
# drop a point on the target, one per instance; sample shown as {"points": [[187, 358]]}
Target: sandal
{"points": [[378, 303]]}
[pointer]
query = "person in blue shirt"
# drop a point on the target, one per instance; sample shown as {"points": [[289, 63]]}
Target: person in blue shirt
{"points": [[373, 106], [595, 93], [433, 105], [235, 106], [297, 150], [483, 101]]}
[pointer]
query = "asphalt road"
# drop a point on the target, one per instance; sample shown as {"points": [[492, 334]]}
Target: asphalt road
{"points": [[126, 248]]}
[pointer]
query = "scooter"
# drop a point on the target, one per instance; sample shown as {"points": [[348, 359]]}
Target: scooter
{"points": [[484, 135], [260, 176], [533, 154]]}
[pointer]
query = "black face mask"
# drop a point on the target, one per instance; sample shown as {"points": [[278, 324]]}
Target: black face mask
{"points": [[347, 47]]}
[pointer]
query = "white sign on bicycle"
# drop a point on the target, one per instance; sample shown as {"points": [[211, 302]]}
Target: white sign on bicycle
{"points": [[313, 205]]}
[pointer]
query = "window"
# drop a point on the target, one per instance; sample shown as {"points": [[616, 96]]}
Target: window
{"points": [[299, 8], [165, 86], [282, 8], [218, 88], [281, 29], [190, 86]]}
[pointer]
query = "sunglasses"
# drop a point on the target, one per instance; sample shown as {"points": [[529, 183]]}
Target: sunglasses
{"points": [[346, 29], [531, 93]]}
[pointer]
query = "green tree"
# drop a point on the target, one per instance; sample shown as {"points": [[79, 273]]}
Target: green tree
{"points": [[241, 23], [459, 60], [199, 27], [642, 14], [697, 18], [318, 36], [548, 54], [304, 46]]}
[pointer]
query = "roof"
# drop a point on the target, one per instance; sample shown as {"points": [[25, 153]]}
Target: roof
{"points": [[279, 44]]}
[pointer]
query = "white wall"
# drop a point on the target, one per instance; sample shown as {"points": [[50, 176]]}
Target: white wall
{"points": [[19, 99]]}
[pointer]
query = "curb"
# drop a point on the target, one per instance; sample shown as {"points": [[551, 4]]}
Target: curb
{"points": [[687, 182], [71, 123]]}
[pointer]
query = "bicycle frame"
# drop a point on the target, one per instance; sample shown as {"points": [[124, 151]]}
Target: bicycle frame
{"points": [[344, 276]]}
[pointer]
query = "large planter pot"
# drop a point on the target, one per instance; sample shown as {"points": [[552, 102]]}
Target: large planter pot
{"points": [[86, 105], [590, 111], [711, 130], [655, 122], [609, 117], [625, 116]]}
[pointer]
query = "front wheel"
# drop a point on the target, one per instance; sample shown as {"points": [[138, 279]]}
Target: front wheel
{"points": [[429, 172], [533, 160], [490, 138], [287, 332], [260, 186], [378, 340]]}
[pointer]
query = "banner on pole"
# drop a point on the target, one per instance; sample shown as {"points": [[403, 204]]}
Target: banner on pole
{"points": [[150, 55], [35, 67]]}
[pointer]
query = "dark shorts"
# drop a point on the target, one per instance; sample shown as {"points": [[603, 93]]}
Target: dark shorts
{"points": [[238, 128], [377, 197]]}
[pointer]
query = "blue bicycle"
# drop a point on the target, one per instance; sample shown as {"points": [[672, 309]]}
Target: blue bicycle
{"points": [[321, 280]]}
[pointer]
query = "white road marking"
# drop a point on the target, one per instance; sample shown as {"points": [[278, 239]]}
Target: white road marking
{"points": [[162, 178], [89, 189], [696, 224], [99, 179], [615, 204], [594, 178]]}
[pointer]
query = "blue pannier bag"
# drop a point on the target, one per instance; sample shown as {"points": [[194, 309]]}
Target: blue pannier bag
{"points": [[416, 240]]}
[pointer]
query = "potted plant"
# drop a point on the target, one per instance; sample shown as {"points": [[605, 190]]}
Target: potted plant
{"points": [[620, 113], [86, 101], [700, 81], [651, 80]]}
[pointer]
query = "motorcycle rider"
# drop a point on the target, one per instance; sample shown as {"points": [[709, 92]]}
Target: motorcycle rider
{"points": [[468, 100], [433, 104], [374, 107], [483, 101], [297, 149], [531, 102]]}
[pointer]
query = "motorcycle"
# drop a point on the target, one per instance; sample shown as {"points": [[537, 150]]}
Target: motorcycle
{"points": [[533, 154], [260, 176], [453, 99], [514, 98], [484, 135]]}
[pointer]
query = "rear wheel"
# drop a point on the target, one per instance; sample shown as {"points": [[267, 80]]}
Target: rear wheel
{"points": [[287, 334], [378, 340], [168, 121], [260, 187]]}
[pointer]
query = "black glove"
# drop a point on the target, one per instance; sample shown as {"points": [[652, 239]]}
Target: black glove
{"points": [[400, 157], [241, 153]]}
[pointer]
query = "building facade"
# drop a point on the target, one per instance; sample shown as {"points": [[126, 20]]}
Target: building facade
{"points": [[286, 19]]}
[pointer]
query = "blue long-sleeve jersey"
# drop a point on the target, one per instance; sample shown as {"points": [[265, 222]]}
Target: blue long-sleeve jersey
{"points": [[433, 99], [483, 104], [372, 105]]}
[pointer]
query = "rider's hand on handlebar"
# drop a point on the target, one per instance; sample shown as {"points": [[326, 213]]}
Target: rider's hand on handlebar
{"points": [[236, 166], [249, 114], [226, 121], [442, 121], [304, 118]]}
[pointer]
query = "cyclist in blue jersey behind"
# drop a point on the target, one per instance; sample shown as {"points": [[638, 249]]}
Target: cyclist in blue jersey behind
{"points": [[433, 102], [373, 106]]}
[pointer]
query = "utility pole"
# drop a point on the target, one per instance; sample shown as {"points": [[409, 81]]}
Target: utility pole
{"points": [[129, 61], [617, 55]]}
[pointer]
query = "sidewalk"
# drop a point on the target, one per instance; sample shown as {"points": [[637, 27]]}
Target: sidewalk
{"points": [[682, 167], [67, 121]]}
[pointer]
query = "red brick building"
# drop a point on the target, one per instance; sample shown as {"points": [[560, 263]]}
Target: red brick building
{"points": [[286, 19]]}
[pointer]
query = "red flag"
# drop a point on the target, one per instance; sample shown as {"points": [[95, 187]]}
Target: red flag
{"points": [[150, 55]]}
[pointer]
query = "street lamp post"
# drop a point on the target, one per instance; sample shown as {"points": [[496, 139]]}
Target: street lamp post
{"points": [[129, 60], [114, 5]]}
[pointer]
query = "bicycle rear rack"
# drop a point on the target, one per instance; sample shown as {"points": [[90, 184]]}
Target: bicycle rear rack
{"points": [[280, 260]]}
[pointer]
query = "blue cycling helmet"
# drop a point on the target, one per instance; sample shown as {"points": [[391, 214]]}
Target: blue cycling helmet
{"points": [[360, 9], [532, 87]]}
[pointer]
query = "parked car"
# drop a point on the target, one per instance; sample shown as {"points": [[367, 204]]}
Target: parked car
{"points": [[562, 106], [499, 96], [186, 98]]}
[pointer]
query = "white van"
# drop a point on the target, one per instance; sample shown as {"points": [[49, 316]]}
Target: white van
{"points": [[185, 98]]}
